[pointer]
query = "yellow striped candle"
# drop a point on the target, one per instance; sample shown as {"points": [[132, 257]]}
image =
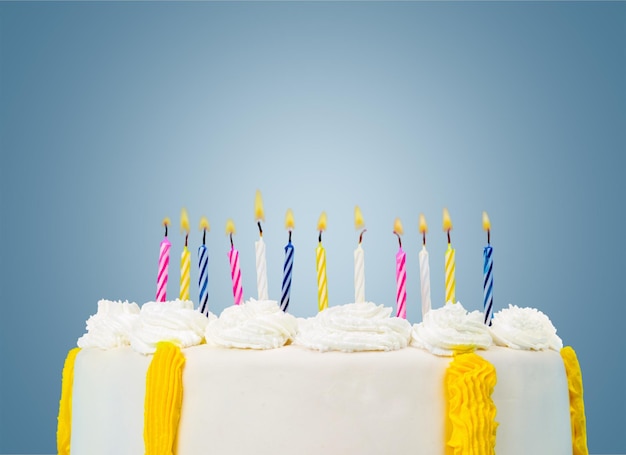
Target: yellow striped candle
{"points": [[450, 260], [185, 258], [320, 263]]}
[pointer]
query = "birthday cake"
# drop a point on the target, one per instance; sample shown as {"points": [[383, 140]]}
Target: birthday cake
{"points": [[352, 380]]}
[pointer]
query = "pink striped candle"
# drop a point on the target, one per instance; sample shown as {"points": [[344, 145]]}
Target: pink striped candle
{"points": [[235, 270], [164, 262], [400, 272]]}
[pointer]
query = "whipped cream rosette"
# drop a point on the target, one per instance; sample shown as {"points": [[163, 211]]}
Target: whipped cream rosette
{"points": [[175, 321], [524, 328], [354, 327], [111, 326], [451, 329], [256, 324]]}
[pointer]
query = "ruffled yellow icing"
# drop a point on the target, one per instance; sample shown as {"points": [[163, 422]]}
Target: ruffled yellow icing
{"points": [[576, 402], [163, 401], [471, 413], [64, 420]]}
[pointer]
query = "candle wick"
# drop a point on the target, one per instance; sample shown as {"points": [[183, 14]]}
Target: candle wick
{"points": [[489, 236], [319, 239], [423, 239], [186, 238], [289, 235], [361, 236], [231, 240], [204, 237], [399, 239], [166, 230], [448, 236], [260, 229]]}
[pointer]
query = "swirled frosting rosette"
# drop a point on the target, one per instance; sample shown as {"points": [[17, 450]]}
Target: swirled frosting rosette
{"points": [[111, 326], [354, 327], [524, 328], [256, 324], [175, 321], [451, 329]]}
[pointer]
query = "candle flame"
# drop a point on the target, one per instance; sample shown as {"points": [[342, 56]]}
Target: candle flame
{"points": [[486, 223], [204, 224], [422, 224], [447, 222], [358, 218], [321, 223], [259, 215], [184, 221], [166, 221], [289, 221], [397, 227], [230, 226]]}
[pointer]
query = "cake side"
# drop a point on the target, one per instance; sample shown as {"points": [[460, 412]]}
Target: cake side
{"points": [[294, 400]]}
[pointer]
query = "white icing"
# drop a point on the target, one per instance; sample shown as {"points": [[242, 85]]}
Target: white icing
{"points": [[175, 321], [524, 328], [110, 326], [256, 324], [451, 329], [354, 327]]}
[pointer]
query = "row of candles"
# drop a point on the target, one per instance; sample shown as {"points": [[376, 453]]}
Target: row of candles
{"points": [[320, 254]]}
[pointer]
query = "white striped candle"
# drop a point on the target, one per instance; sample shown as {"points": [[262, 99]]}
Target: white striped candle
{"points": [[424, 269], [259, 249], [359, 259]]}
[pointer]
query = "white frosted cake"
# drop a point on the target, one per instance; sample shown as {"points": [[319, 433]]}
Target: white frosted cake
{"points": [[352, 380]]}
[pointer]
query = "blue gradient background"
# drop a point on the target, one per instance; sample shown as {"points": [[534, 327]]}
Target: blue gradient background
{"points": [[115, 115]]}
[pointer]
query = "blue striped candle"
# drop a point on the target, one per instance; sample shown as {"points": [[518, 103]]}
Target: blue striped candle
{"points": [[288, 265], [487, 273], [287, 273], [203, 277]]}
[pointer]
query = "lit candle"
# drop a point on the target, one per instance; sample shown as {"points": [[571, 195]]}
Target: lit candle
{"points": [[185, 258], [487, 272], [203, 263], [450, 262], [320, 264], [424, 268], [259, 248], [400, 272], [359, 259], [235, 270], [164, 262], [288, 265]]}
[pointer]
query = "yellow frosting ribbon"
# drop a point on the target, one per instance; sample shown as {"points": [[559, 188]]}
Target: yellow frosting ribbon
{"points": [[576, 401], [471, 413], [64, 420], [163, 401]]}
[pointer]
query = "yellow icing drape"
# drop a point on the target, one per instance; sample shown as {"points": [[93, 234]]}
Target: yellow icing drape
{"points": [[576, 402], [471, 413], [64, 420], [164, 396]]}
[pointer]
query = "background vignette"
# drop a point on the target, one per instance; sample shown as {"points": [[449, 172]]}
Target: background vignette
{"points": [[115, 115]]}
